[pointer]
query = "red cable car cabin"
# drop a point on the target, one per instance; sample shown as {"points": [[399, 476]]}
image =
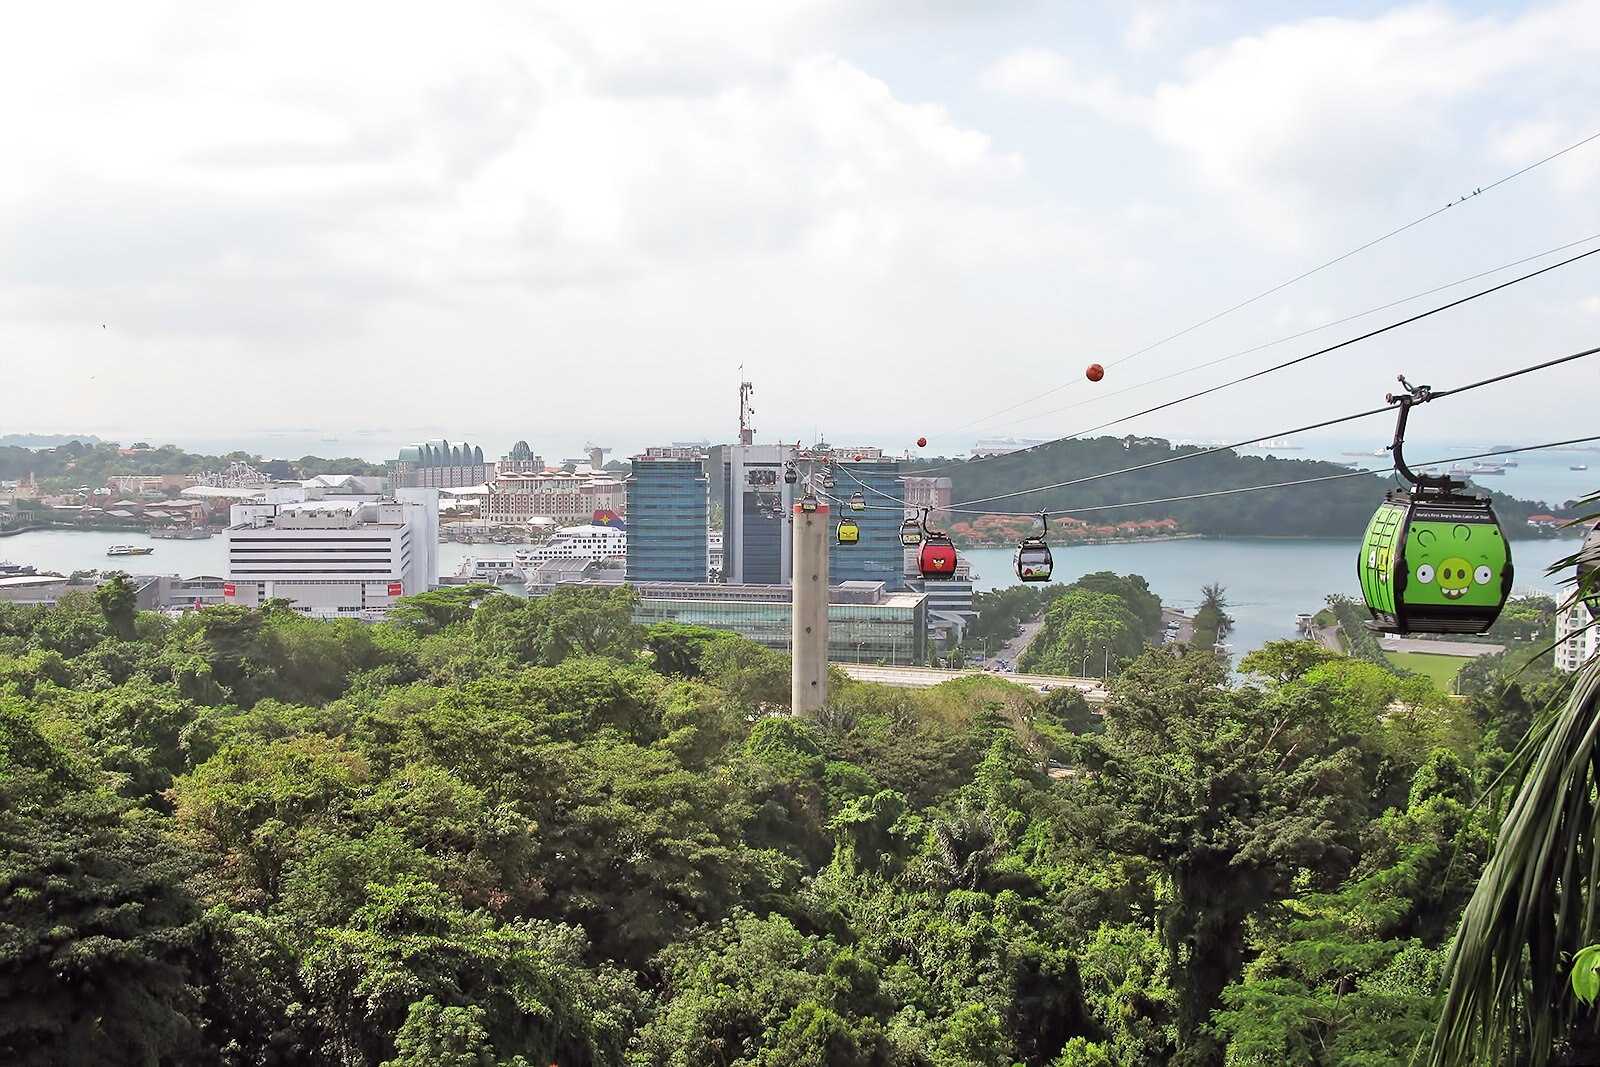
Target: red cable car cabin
{"points": [[936, 560]]}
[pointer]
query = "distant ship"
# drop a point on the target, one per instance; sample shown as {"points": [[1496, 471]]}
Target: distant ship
{"points": [[1374, 452], [1578, 467], [576, 542], [499, 570], [129, 550], [1477, 470], [999, 446], [14, 570]]}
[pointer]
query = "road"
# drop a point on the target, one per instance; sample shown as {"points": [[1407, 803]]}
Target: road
{"points": [[927, 677], [1328, 637], [1014, 647], [1469, 649]]}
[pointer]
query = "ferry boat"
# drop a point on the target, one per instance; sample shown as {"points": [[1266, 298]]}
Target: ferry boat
{"points": [[576, 542], [14, 570], [181, 533], [1578, 467], [499, 570], [129, 550]]}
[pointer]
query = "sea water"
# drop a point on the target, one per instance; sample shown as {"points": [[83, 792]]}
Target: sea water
{"points": [[1267, 582]]}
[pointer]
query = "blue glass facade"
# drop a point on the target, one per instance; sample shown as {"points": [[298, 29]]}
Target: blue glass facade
{"points": [[668, 513], [754, 536], [763, 542], [877, 556]]}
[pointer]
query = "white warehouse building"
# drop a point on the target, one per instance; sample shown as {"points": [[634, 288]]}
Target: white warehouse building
{"points": [[334, 558]]}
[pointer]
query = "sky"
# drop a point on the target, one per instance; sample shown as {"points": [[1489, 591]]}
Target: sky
{"points": [[567, 222]]}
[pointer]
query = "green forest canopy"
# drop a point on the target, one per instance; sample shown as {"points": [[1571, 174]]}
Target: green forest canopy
{"points": [[497, 831]]}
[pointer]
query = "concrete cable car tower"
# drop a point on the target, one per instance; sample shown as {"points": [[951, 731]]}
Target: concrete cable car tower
{"points": [[808, 632], [811, 527]]}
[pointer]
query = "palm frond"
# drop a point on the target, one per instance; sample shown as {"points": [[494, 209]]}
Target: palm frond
{"points": [[1537, 902]]}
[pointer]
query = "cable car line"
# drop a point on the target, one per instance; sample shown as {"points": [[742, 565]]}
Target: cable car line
{"points": [[1438, 393], [1185, 455], [1477, 191], [966, 508], [1302, 481], [1269, 344], [1322, 351]]}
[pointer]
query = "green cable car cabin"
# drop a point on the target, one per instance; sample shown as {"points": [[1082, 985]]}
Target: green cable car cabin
{"points": [[1434, 564], [1434, 559]]}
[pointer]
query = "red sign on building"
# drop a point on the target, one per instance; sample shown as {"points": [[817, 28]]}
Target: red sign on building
{"points": [[396, 589], [228, 589]]}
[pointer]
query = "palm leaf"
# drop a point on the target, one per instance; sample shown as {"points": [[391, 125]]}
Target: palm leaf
{"points": [[1538, 900]]}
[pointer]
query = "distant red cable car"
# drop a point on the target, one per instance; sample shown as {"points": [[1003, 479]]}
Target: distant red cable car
{"points": [[1095, 372], [922, 442]]}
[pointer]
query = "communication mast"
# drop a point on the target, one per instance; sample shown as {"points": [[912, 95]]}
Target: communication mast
{"points": [[747, 430]]}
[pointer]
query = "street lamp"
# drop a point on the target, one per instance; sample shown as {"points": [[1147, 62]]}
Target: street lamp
{"points": [[1085, 663], [1105, 668]]}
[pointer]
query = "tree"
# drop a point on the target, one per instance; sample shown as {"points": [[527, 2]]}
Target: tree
{"points": [[568, 621], [118, 598], [1282, 662], [97, 935], [1233, 795], [439, 609], [1211, 620], [1085, 626], [678, 649], [749, 986]]}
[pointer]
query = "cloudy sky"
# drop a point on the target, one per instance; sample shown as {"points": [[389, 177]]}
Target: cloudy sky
{"points": [[564, 221]]}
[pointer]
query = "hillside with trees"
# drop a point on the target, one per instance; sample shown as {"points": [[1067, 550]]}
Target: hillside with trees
{"points": [[496, 831], [1326, 509], [72, 464]]}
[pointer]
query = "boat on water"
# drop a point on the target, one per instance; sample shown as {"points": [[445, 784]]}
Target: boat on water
{"points": [[181, 533], [129, 550], [15, 570], [1477, 470], [1578, 467], [499, 570]]}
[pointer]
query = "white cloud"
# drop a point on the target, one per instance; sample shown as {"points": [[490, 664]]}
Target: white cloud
{"points": [[472, 215], [1298, 122]]}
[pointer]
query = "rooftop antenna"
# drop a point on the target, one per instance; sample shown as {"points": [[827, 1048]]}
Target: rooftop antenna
{"points": [[747, 430]]}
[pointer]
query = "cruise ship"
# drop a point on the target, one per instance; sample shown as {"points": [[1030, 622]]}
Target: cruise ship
{"points": [[576, 542]]}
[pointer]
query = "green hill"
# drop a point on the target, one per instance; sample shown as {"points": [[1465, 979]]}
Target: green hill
{"points": [[1322, 509]]}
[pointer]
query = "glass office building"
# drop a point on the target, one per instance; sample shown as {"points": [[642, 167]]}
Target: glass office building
{"points": [[876, 556], [866, 624], [757, 540], [668, 516]]}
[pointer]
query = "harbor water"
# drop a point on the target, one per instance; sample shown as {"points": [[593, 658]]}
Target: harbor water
{"points": [[1267, 582]]}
